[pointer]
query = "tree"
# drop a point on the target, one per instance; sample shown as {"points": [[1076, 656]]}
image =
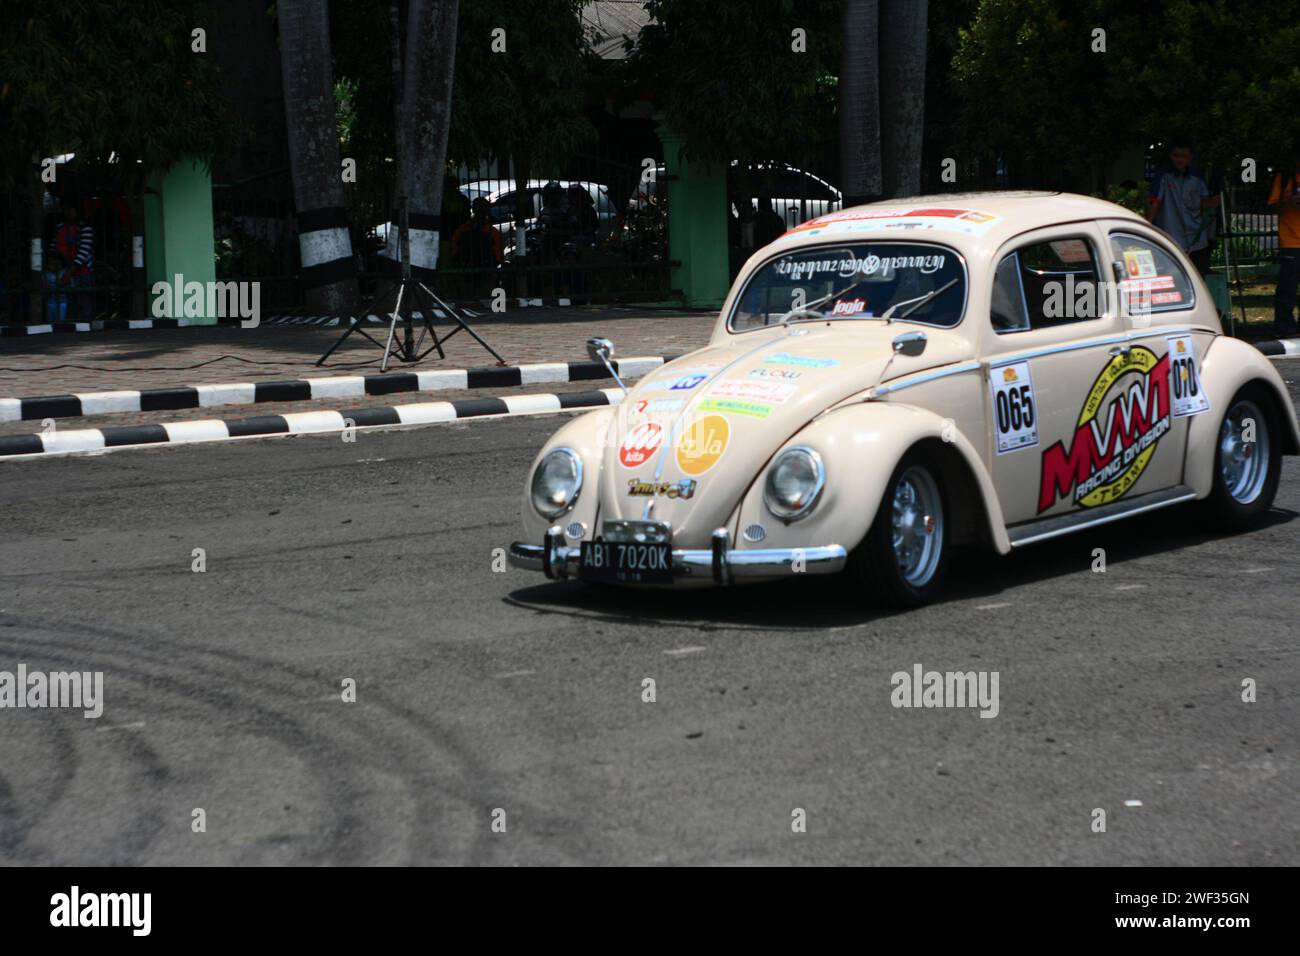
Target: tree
{"points": [[328, 268], [520, 70], [101, 79], [859, 104], [902, 94], [423, 116], [747, 82]]}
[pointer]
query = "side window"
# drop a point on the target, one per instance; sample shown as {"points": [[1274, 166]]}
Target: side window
{"points": [[1047, 283], [1152, 281], [1008, 308]]}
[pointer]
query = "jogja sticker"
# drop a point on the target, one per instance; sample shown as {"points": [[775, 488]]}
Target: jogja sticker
{"points": [[640, 444], [636, 488], [775, 392], [1015, 416], [1185, 379], [702, 443], [851, 307], [1123, 418]]}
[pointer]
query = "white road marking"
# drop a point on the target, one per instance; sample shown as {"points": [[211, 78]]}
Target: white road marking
{"points": [[992, 607], [681, 651], [1132, 803], [1129, 587]]}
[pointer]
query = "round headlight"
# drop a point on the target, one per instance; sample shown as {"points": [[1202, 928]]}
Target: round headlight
{"points": [[556, 482], [794, 483]]}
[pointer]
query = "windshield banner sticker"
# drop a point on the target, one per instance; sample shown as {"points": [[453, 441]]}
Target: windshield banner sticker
{"points": [[1125, 415], [847, 265]]}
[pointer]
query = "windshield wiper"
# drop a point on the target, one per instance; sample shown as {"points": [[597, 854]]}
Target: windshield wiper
{"points": [[809, 310], [920, 300]]}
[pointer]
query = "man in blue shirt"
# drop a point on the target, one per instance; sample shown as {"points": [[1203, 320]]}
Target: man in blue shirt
{"points": [[1181, 205]]}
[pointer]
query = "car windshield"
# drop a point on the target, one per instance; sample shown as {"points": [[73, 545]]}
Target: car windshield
{"points": [[919, 281]]}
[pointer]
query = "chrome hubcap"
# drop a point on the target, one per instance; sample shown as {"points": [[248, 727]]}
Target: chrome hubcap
{"points": [[917, 526], [1243, 452]]}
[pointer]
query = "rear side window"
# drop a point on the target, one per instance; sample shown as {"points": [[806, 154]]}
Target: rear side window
{"points": [[1151, 278], [1054, 282]]}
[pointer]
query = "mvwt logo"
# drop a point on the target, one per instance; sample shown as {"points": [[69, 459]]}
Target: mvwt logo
{"points": [[195, 300], [1116, 436]]}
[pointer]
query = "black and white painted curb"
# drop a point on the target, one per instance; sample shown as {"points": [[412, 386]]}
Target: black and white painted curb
{"points": [[80, 441], [126, 325], [1289, 348], [312, 389]]}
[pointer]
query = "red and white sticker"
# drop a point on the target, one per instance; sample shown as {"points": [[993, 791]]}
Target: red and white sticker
{"points": [[640, 444], [1187, 396]]}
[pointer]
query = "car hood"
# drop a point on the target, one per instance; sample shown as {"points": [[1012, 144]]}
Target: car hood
{"points": [[692, 437]]}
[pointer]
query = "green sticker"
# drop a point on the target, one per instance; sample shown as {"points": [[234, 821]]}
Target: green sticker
{"points": [[735, 406]]}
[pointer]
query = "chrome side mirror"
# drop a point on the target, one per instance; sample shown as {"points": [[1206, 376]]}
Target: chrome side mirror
{"points": [[910, 343], [602, 350]]}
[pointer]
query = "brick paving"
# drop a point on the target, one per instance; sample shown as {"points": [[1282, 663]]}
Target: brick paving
{"points": [[136, 359]]}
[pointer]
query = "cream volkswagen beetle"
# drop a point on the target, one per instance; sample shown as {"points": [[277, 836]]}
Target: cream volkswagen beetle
{"points": [[893, 381]]}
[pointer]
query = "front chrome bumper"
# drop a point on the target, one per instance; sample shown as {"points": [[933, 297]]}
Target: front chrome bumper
{"points": [[720, 565]]}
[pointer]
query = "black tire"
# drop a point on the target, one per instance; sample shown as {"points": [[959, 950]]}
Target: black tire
{"points": [[874, 568], [1240, 506]]}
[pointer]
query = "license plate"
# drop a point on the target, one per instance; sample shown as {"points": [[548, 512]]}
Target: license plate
{"points": [[629, 562]]}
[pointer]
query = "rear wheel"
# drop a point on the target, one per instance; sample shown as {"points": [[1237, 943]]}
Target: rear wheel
{"points": [[1247, 461], [902, 560]]}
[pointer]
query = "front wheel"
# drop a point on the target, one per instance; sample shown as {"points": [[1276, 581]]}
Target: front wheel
{"points": [[1247, 462], [902, 560]]}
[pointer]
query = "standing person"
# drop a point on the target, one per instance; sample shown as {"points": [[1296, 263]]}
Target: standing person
{"points": [[1180, 200], [1285, 196], [476, 244], [768, 224], [75, 243]]}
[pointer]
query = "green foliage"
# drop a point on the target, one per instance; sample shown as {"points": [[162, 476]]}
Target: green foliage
{"points": [[1224, 73], [100, 76], [729, 82], [529, 100]]}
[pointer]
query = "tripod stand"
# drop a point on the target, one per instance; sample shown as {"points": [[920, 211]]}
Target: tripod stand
{"points": [[406, 290]]}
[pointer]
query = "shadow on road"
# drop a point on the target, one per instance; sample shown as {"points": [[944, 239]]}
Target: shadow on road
{"points": [[834, 602]]}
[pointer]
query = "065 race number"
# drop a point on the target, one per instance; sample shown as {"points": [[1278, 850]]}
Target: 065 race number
{"points": [[1015, 415]]}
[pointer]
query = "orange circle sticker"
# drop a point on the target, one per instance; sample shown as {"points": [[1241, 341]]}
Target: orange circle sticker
{"points": [[702, 444]]}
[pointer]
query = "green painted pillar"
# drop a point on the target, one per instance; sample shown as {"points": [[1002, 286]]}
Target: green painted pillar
{"points": [[697, 225], [178, 230]]}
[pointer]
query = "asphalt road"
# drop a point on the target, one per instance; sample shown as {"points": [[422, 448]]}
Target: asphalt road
{"points": [[478, 690]]}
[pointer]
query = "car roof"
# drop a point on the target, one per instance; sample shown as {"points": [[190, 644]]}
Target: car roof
{"points": [[967, 218]]}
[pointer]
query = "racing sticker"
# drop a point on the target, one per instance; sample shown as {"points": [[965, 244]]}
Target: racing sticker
{"points": [[1185, 379], [640, 444], [970, 221], [1015, 415], [1123, 418], [776, 393], [1139, 263], [702, 444]]}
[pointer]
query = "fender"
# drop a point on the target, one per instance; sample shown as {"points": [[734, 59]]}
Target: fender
{"points": [[1228, 365], [860, 445], [587, 435]]}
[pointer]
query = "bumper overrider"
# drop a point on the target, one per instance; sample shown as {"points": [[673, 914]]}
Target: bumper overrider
{"points": [[720, 564]]}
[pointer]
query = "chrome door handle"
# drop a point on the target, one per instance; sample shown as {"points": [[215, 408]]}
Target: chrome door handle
{"points": [[1124, 350]]}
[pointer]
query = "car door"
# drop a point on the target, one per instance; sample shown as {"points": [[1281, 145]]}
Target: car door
{"points": [[1165, 320], [1052, 331]]}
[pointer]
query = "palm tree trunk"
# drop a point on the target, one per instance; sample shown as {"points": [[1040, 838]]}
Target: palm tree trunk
{"points": [[426, 107], [859, 104], [328, 269], [902, 93]]}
